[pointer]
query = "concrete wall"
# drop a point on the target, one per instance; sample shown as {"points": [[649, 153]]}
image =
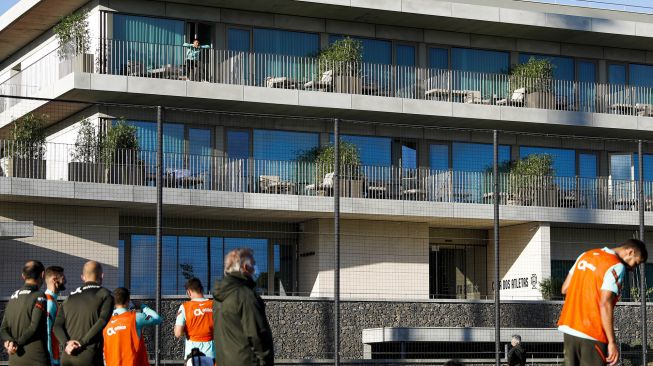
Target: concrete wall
{"points": [[63, 235], [379, 259], [569, 243], [525, 259]]}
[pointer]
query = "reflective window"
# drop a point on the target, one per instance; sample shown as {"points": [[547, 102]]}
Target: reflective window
{"points": [[648, 166], [563, 67], [564, 160], [587, 89], [641, 75], [617, 74], [621, 166], [374, 151], [375, 51], [185, 257], [173, 143], [282, 145], [282, 42], [438, 58], [472, 157], [588, 165], [238, 40], [467, 59], [439, 156], [408, 157], [238, 144], [405, 55]]}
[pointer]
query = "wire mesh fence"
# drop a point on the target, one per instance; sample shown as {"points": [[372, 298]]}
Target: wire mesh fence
{"points": [[416, 224]]}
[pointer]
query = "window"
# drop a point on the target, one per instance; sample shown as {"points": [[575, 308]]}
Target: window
{"points": [[143, 38], [374, 151], [467, 59], [238, 40], [238, 144], [587, 88], [564, 160], [283, 145], [473, 157], [617, 74], [408, 156], [439, 156], [375, 51], [405, 55], [641, 75], [203, 257], [587, 165], [626, 166], [282, 42], [563, 67], [438, 58]]}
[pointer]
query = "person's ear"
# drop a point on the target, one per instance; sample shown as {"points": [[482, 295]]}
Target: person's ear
{"points": [[83, 279], [23, 277]]}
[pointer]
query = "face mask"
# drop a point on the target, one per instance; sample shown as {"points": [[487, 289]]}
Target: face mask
{"points": [[255, 275]]}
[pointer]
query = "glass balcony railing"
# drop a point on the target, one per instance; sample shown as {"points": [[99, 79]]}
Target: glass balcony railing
{"points": [[63, 162], [135, 59]]}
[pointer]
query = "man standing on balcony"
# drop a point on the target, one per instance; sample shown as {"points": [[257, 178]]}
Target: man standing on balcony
{"points": [[193, 60], [592, 288], [195, 320], [81, 319]]}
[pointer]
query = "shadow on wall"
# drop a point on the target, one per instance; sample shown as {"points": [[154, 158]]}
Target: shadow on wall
{"points": [[17, 252]]}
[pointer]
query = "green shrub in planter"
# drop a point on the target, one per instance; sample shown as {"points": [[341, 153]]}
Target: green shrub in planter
{"points": [[73, 34], [23, 155], [534, 75], [343, 56]]}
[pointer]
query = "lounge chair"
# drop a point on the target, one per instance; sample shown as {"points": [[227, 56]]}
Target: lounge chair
{"points": [[323, 189], [325, 82], [516, 99]]}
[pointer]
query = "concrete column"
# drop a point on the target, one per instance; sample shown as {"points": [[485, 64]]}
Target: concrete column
{"points": [[603, 71], [525, 252], [220, 144], [514, 58], [220, 37]]}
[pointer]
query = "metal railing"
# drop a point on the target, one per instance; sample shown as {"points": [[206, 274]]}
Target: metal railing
{"points": [[207, 172], [137, 59]]}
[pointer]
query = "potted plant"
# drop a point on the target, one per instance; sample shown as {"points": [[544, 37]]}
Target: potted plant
{"points": [[74, 40], [23, 157], [85, 166], [351, 177], [536, 78], [531, 180], [344, 59], [550, 288], [120, 155]]}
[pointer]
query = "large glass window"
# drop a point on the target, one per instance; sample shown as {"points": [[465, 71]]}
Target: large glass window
{"points": [[374, 151], [587, 165], [587, 86], [238, 144], [563, 67], [439, 156], [141, 40], [467, 59], [641, 75], [456, 271], [617, 74], [473, 157], [375, 51], [282, 145], [438, 58], [564, 160], [238, 40], [626, 166], [203, 257], [408, 156], [173, 144], [282, 42]]}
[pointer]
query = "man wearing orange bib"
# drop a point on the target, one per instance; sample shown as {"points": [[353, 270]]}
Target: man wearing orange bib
{"points": [[195, 320], [592, 290], [123, 340]]}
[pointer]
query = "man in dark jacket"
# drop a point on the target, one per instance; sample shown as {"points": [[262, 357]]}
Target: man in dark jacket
{"points": [[516, 355], [23, 327], [81, 319], [242, 333]]}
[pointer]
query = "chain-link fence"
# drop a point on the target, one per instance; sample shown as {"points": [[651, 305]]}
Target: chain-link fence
{"points": [[412, 210]]}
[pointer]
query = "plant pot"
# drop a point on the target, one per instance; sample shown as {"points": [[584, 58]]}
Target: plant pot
{"points": [[129, 174], [23, 168], [351, 188], [86, 172], [347, 84], [77, 63], [540, 100]]}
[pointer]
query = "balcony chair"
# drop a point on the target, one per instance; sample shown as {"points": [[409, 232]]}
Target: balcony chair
{"points": [[280, 82], [516, 99], [274, 184], [325, 82], [321, 189], [644, 109]]}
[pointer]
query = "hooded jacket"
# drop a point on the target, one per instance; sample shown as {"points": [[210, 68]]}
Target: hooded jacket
{"points": [[241, 332]]}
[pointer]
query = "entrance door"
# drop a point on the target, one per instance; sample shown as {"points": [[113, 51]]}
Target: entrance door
{"points": [[447, 273]]}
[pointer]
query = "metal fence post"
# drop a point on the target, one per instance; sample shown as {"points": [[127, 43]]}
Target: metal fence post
{"points": [[159, 216], [642, 267], [497, 284], [336, 212]]}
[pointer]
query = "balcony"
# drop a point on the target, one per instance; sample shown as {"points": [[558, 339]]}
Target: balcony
{"points": [[284, 179], [400, 89]]}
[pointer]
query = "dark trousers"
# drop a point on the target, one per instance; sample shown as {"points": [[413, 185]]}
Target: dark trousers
{"points": [[584, 352], [192, 70]]}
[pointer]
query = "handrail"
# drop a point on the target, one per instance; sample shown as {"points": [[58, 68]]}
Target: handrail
{"points": [[66, 162], [161, 61]]}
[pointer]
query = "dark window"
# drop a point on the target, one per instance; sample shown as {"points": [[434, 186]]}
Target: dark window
{"points": [[283, 145], [439, 156], [473, 157], [564, 160], [467, 59], [374, 151], [438, 58], [563, 67]]}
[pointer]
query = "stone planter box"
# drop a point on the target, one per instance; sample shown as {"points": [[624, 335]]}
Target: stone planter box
{"points": [[347, 84], [23, 168], [540, 100], [86, 172]]}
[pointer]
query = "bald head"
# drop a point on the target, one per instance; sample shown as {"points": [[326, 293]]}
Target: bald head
{"points": [[92, 272]]}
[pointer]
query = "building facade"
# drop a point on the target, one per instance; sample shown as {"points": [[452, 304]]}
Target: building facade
{"points": [[245, 113]]}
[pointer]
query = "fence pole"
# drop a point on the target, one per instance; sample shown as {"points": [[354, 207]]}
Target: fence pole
{"points": [[336, 213], [497, 284], [642, 267], [159, 216]]}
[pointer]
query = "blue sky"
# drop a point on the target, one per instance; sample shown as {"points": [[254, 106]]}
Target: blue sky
{"points": [[631, 5]]}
